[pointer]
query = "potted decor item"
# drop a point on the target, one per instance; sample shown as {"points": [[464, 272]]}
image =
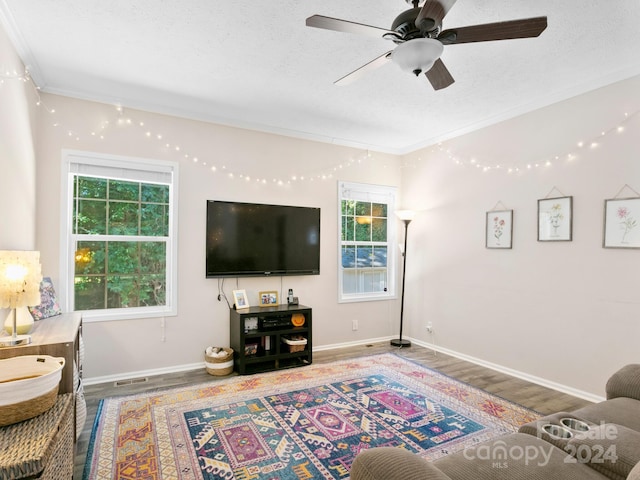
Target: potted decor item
{"points": [[218, 361], [28, 386]]}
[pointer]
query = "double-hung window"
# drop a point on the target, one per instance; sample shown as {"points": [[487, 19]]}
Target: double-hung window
{"points": [[367, 234], [119, 244]]}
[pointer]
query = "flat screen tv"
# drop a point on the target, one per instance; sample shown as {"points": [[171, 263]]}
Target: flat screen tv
{"points": [[250, 239]]}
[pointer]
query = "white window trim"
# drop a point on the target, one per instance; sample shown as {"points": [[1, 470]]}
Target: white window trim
{"points": [[374, 193], [160, 168]]}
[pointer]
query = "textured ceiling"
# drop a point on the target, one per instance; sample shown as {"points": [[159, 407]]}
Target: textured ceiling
{"points": [[256, 65]]}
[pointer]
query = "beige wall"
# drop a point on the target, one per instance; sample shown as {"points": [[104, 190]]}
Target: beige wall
{"points": [[121, 347], [567, 312], [17, 158], [563, 312]]}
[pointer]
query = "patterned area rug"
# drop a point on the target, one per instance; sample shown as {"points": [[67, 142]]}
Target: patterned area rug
{"points": [[303, 423]]}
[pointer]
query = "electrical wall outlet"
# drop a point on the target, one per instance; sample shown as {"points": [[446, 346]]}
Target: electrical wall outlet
{"points": [[429, 327], [354, 325]]}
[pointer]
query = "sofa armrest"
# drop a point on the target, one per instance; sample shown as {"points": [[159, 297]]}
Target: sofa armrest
{"points": [[625, 383], [635, 473], [610, 449], [391, 463]]}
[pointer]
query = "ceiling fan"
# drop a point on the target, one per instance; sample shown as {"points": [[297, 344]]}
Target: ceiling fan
{"points": [[420, 39]]}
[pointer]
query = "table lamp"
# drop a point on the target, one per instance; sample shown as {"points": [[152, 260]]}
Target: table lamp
{"points": [[20, 277]]}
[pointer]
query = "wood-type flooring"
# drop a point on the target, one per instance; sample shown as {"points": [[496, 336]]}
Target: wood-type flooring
{"points": [[536, 397]]}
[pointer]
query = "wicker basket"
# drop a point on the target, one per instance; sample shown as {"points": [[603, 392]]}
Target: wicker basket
{"points": [[295, 343], [28, 386], [219, 366], [41, 447]]}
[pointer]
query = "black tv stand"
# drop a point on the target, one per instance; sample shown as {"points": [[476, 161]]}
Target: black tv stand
{"points": [[258, 338]]}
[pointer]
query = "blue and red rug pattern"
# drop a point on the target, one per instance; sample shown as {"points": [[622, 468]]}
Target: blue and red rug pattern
{"points": [[305, 423]]}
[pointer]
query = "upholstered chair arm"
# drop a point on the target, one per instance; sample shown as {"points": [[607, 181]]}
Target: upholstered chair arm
{"points": [[389, 463], [635, 473], [625, 383]]}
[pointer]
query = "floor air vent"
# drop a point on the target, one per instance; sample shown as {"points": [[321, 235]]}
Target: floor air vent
{"points": [[131, 381]]}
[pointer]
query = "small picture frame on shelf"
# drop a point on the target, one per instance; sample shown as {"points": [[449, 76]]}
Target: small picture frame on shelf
{"points": [[621, 223], [250, 324], [268, 298], [499, 229], [555, 219], [251, 349], [240, 300]]}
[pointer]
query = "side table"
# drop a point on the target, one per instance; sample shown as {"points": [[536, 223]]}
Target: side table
{"points": [[41, 447], [59, 336]]}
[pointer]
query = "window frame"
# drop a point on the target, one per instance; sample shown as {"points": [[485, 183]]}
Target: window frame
{"points": [[127, 169], [376, 194]]}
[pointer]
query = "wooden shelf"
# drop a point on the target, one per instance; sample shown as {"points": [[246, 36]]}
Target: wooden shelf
{"points": [[277, 356]]}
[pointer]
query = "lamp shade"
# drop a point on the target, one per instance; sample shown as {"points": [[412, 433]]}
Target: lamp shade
{"points": [[417, 55], [406, 214], [20, 277]]}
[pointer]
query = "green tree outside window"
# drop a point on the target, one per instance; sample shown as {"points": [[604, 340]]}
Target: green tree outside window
{"points": [[122, 229]]}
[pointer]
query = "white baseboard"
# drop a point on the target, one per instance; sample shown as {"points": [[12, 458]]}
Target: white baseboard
{"points": [[499, 368], [351, 344], [514, 373], [196, 366], [142, 373]]}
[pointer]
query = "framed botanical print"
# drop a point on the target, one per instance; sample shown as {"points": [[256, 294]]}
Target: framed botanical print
{"points": [[621, 227], [555, 219], [499, 229]]}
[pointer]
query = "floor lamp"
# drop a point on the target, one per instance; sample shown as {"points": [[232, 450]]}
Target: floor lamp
{"points": [[406, 216]]}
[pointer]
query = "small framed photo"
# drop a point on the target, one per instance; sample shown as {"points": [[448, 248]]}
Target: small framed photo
{"points": [[268, 298], [240, 300], [250, 349], [499, 229], [621, 227], [555, 219], [250, 324]]}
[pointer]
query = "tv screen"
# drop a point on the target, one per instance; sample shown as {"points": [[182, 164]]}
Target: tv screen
{"points": [[249, 239]]}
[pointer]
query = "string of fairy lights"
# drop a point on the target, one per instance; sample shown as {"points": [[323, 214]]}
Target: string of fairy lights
{"points": [[122, 119], [323, 174], [592, 143]]}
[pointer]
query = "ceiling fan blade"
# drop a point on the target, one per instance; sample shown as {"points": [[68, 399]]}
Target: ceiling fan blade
{"points": [[356, 74], [439, 75], [432, 13], [328, 23], [523, 28]]}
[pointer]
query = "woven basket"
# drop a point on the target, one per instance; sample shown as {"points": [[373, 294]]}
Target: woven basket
{"points": [[219, 366], [41, 447], [28, 386], [17, 412], [295, 344]]}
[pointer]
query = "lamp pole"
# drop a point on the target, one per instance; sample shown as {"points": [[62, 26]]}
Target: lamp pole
{"points": [[399, 342]]}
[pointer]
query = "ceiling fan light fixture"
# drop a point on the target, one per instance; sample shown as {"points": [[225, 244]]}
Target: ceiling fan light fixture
{"points": [[417, 55]]}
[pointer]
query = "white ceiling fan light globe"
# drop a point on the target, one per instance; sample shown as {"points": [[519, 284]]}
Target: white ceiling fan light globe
{"points": [[417, 55]]}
